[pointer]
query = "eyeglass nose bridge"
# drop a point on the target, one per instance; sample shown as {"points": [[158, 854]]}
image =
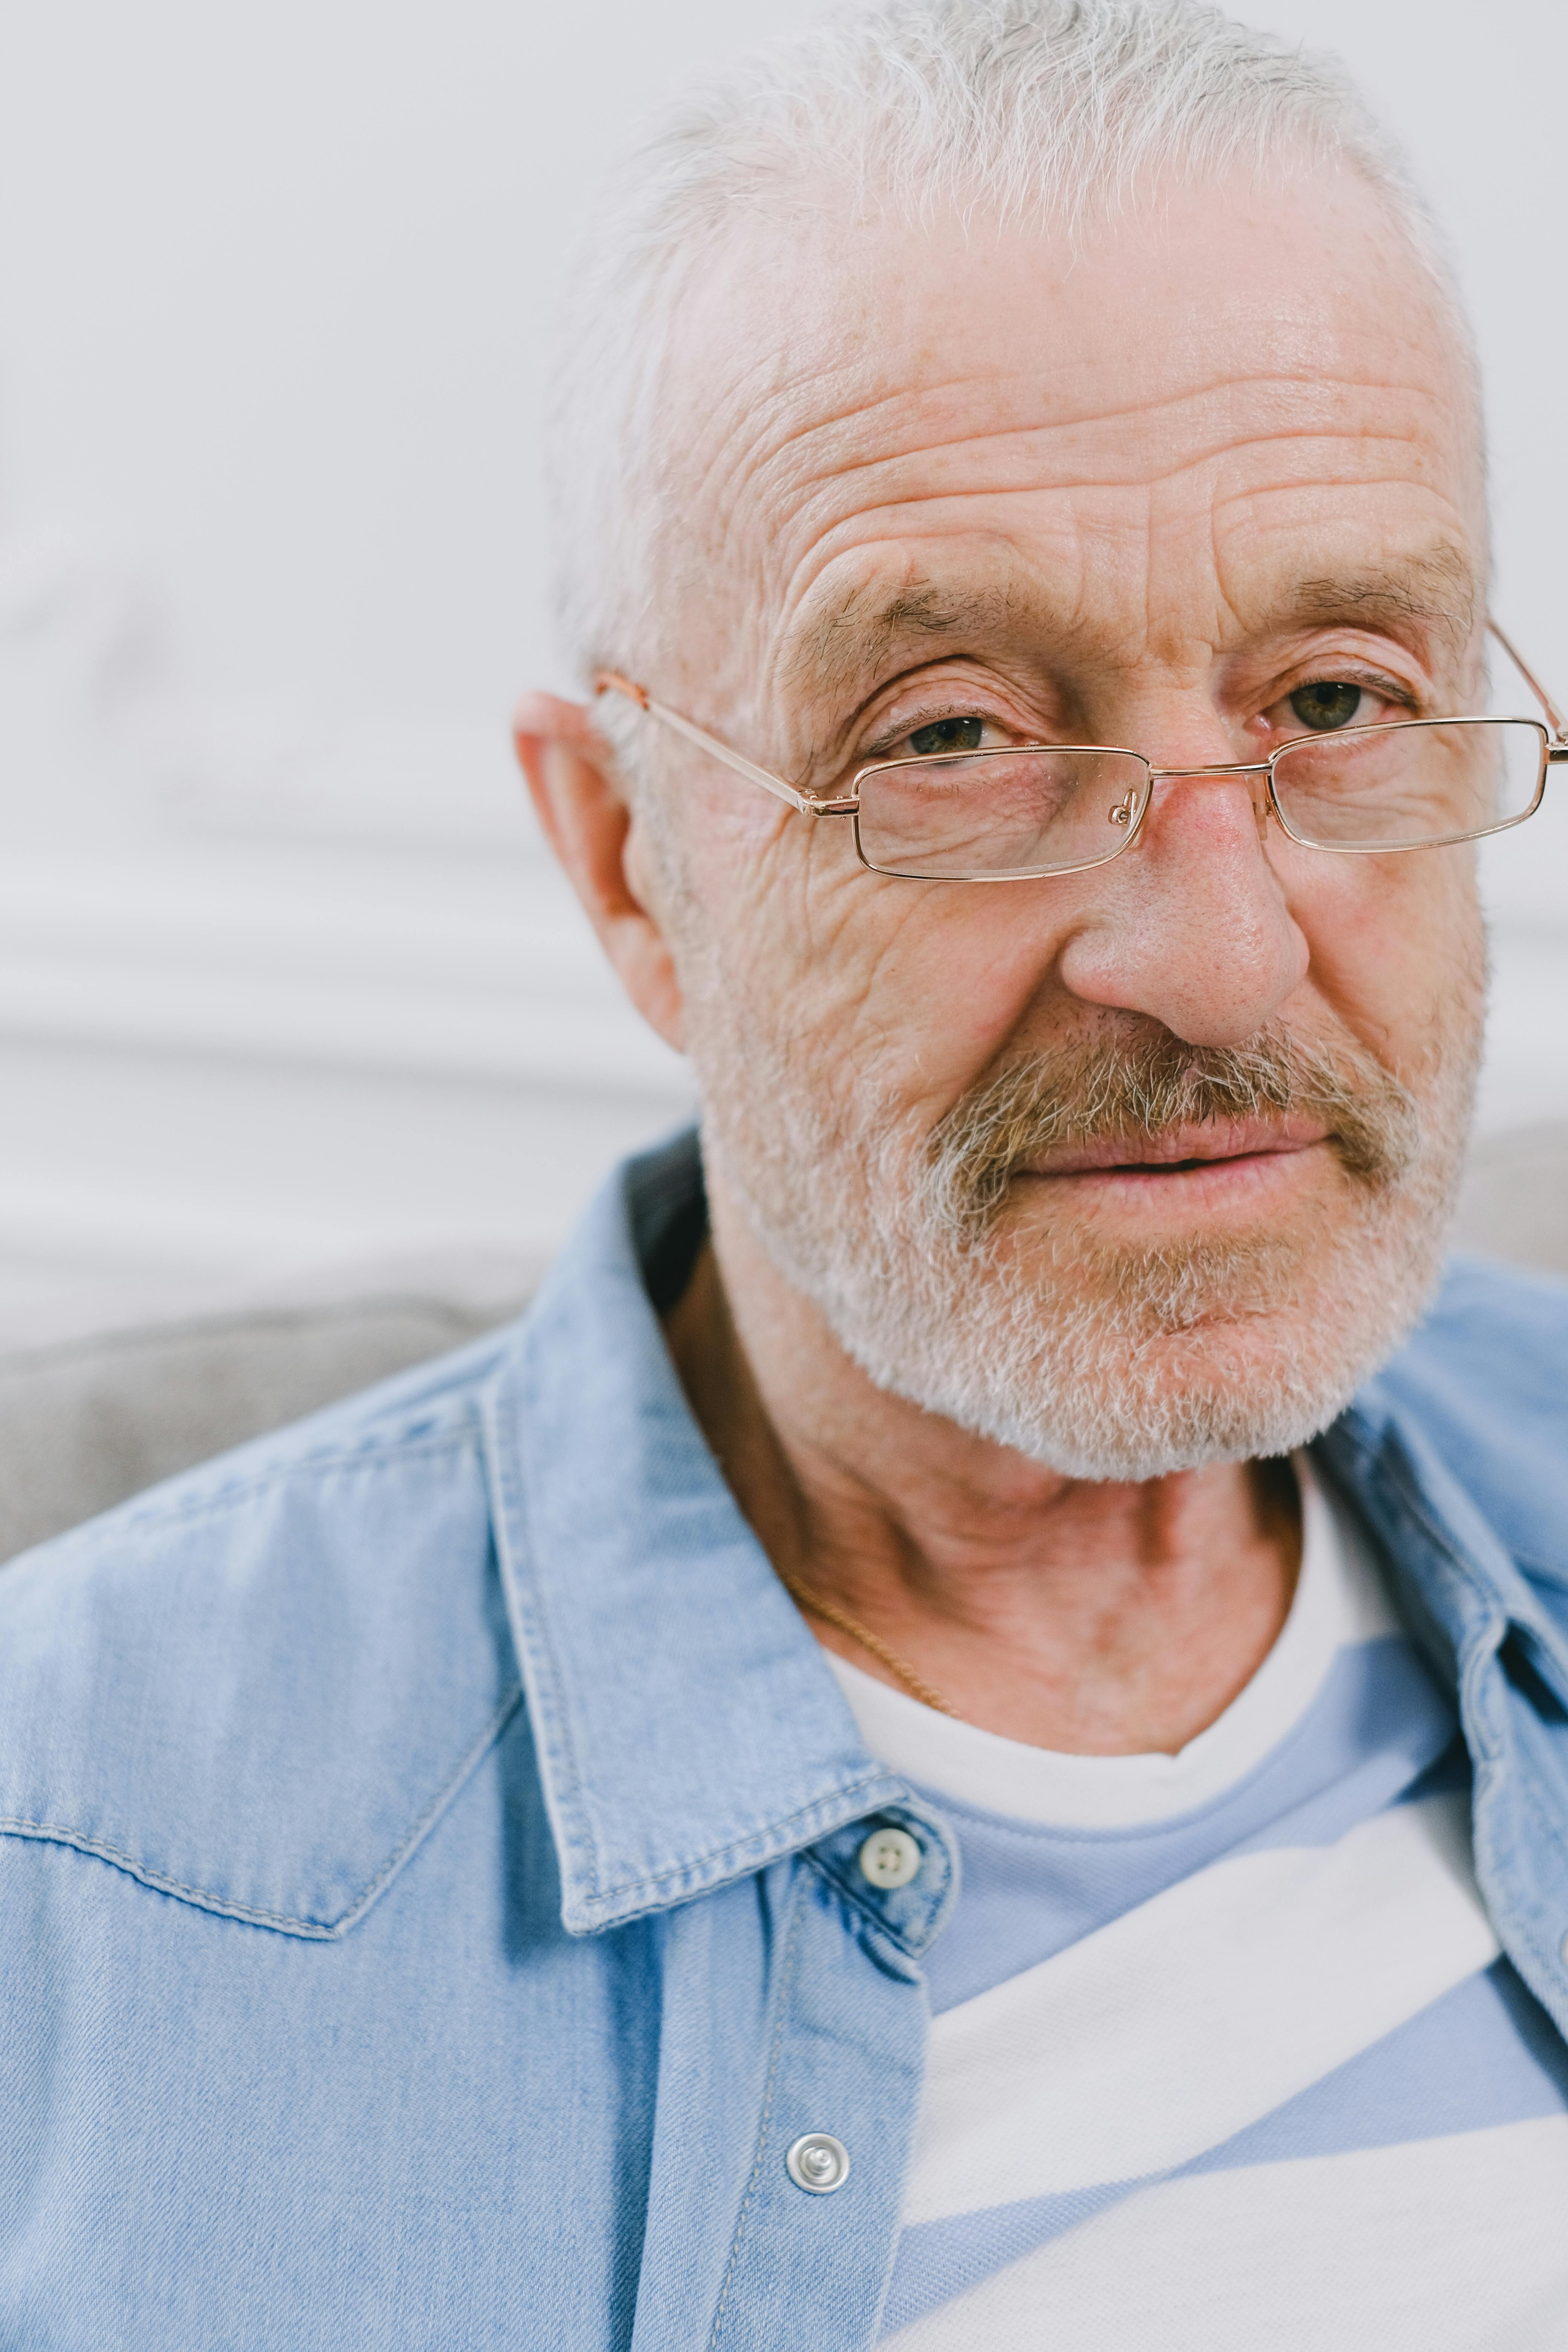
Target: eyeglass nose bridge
{"points": [[1216, 768], [1131, 817]]}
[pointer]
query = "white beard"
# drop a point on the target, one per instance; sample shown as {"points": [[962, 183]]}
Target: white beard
{"points": [[1099, 1362]]}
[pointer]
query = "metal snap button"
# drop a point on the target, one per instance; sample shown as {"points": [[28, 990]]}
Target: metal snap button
{"points": [[819, 2163], [890, 1858]]}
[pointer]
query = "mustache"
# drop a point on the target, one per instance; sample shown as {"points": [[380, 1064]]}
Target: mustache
{"points": [[1135, 1089]]}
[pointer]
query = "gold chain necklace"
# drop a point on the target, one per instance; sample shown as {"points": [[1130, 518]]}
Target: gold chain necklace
{"points": [[831, 1614]]}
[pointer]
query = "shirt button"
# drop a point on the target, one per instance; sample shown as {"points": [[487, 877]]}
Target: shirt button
{"points": [[890, 1858], [818, 2162]]}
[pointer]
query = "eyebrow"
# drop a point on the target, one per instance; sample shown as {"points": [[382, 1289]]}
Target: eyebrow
{"points": [[1433, 588], [859, 632]]}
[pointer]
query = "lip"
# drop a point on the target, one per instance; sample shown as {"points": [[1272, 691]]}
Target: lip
{"points": [[1236, 1147]]}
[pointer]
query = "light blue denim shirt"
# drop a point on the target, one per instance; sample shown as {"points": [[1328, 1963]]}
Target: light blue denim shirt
{"points": [[429, 1907]]}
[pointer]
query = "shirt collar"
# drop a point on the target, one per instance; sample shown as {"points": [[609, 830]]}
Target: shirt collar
{"points": [[688, 1730], [1460, 1590], [1482, 1626]]}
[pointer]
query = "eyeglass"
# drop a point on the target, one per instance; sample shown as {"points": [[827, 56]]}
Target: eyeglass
{"points": [[1033, 809]]}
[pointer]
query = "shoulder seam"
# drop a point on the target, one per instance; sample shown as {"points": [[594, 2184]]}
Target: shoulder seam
{"points": [[143, 1511]]}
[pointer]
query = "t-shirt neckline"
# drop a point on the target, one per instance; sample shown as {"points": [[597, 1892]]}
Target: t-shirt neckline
{"points": [[1339, 1600]]}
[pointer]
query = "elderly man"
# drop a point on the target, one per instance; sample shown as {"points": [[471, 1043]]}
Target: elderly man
{"points": [[930, 1748]]}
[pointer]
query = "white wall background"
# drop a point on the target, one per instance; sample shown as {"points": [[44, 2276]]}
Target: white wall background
{"points": [[283, 975]]}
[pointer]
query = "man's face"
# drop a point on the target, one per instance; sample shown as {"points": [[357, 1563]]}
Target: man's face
{"points": [[1143, 1165]]}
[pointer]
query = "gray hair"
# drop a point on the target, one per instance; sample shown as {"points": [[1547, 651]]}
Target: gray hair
{"points": [[1023, 108]]}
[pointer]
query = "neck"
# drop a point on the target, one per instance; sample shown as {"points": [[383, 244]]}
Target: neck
{"points": [[1098, 1619]]}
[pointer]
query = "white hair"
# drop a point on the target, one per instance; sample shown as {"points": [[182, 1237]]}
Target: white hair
{"points": [[1022, 109]]}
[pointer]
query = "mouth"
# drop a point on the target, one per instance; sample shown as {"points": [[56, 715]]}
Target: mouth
{"points": [[1196, 1164]]}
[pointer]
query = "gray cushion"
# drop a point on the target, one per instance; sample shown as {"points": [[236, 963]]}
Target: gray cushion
{"points": [[87, 1420]]}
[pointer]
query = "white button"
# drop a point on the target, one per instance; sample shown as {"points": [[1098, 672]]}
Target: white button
{"points": [[890, 1858], [818, 2162]]}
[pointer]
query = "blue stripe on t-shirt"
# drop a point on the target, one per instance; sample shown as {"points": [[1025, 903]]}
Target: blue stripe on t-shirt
{"points": [[1378, 1723], [1484, 2054]]}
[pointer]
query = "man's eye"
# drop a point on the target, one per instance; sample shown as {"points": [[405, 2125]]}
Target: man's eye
{"points": [[947, 735], [1327, 703]]}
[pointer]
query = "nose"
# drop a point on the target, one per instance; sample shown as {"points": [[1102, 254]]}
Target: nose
{"points": [[1191, 925]]}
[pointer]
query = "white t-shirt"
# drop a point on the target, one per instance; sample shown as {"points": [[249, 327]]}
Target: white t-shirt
{"points": [[1224, 2056]]}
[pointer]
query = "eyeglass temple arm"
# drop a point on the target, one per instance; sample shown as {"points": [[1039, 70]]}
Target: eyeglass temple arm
{"points": [[1559, 724], [610, 681]]}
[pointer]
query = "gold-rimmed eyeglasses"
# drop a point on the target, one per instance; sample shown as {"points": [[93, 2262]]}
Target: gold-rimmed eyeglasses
{"points": [[1029, 810]]}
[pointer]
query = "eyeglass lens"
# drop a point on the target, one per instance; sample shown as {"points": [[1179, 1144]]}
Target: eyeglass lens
{"points": [[1012, 814], [1420, 781], [997, 814]]}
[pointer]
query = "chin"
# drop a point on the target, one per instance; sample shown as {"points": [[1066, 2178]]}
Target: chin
{"points": [[1126, 1365]]}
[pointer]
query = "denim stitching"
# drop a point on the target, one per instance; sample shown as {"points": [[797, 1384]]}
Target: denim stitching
{"points": [[468, 1765], [802, 1820], [286, 1923], [56, 1833], [497, 1447], [787, 1976], [371, 1454]]}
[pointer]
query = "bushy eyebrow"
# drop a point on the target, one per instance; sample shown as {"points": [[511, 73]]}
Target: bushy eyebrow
{"points": [[1432, 589], [859, 634]]}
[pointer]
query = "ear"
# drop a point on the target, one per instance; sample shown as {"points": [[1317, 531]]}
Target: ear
{"points": [[570, 775]]}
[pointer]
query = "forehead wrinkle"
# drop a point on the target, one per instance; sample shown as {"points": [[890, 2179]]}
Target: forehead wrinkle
{"points": [[791, 492], [814, 394], [1155, 471], [792, 473], [754, 448], [721, 477], [752, 413], [770, 479], [879, 523], [1246, 527], [1327, 392], [804, 517]]}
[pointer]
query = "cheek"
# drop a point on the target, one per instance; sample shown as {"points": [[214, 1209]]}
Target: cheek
{"points": [[1398, 947], [919, 986], [908, 988], [956, 972]]}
